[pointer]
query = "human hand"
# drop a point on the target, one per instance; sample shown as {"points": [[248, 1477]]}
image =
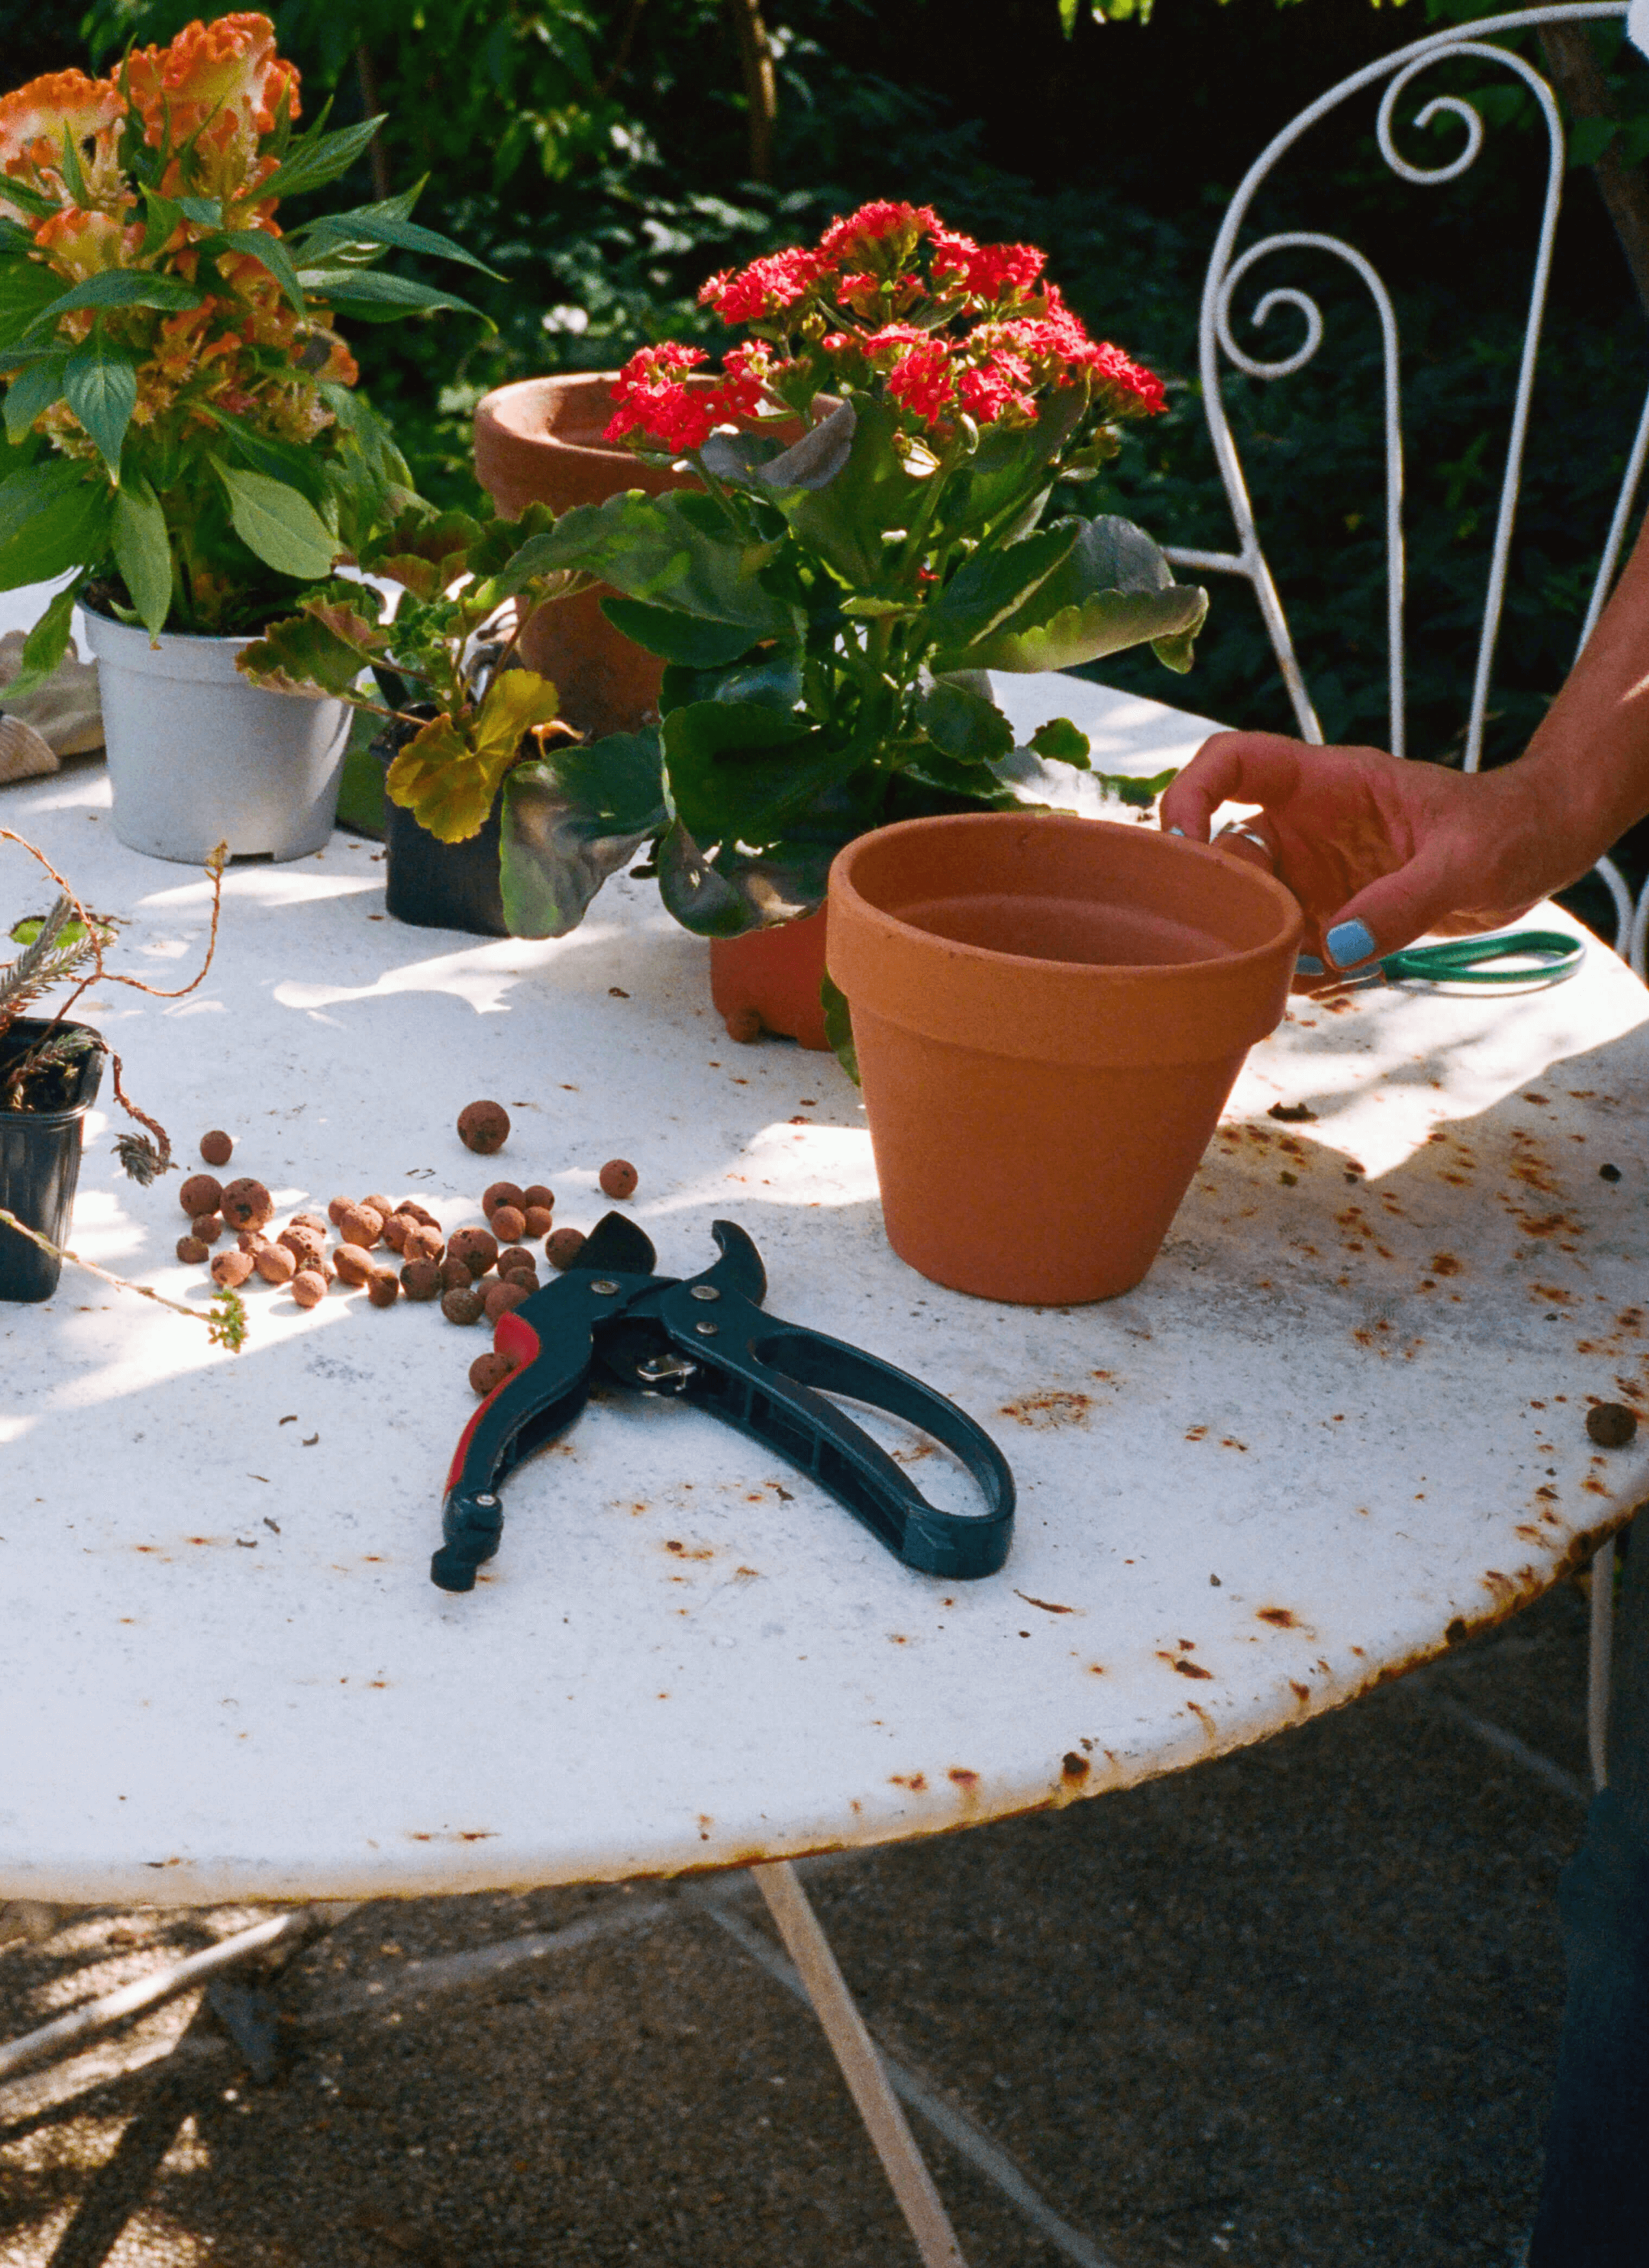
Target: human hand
{"points": [[1379, 851]]}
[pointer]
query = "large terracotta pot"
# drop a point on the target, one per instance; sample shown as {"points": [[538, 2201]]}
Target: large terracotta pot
{"points": [[539, 441], [1050, 1013], [769, 980]]}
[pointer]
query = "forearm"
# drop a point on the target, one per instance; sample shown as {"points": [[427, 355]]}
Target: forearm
{"points": [[1588, 763]]}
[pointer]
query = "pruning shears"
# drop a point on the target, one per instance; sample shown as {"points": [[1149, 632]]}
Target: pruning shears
{"points": [[705, 1340], [1535, 959]]}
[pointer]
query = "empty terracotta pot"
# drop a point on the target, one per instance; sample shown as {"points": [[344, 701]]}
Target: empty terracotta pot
{"points": [[1050, 1013], [774, 974], [539, 441]]}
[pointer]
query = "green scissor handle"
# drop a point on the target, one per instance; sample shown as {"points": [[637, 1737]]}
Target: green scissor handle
{"points": [[1470, 960]]}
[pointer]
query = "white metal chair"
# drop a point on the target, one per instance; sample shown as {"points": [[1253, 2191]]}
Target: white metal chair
{"points": [[1228, 268]]}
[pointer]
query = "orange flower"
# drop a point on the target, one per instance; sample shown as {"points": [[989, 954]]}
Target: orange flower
{"points": [[81, 243], [34, 119], [223, 82]]}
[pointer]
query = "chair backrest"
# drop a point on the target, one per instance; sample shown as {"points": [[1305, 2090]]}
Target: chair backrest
{"points": [[1228, 268]]}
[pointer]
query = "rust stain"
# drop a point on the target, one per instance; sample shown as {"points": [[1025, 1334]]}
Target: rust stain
{"points": [[1445, 1263], [1185, 1669], [1303, 1691], [965, 1779], [1283, 1617], [682, 1551], [1044, 1410], [1047, 1606], [916, 1782], [1074, 1767]]}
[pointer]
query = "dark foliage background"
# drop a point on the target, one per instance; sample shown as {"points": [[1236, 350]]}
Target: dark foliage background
{"points": [[596, 152]]}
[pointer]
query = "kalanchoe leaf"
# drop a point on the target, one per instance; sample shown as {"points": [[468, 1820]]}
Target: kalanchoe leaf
{"points": [[838, 1023], [658, 549], [771, 678], [963, 725], [997, 583], [675, 636], [845, 521], [1062, 743], [1114, 588], [571, 818], [1138, 795], [757, 461], [738, 891], [735, 771]]}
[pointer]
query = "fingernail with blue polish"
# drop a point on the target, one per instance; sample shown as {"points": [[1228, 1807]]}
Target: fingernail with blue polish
{"points": [[1349, 943], [1307, 964], [1175, 830]]}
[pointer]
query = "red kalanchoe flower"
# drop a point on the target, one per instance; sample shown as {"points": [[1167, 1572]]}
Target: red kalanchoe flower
{"points": [[765, 288], [855, 236], [652, 398], [993, 272], [998, 389], [1141, 390], [743, 389], [920, 379]]}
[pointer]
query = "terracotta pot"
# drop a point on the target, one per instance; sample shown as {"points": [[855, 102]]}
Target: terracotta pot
{"points": [[1050, 1013], [773, 975], [539, 441]]}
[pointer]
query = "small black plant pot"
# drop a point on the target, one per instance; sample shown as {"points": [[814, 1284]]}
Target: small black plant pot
{"points": [[40, 1159], [435, 884]]}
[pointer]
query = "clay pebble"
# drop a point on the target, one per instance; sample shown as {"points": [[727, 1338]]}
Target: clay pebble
{"points": [[477, 1247], [423, 1243], [309, 1287], [192, 1251], [619, 1178], [502, 1193], [353, 1264], [488, 1373], [536, 1193], [483, 1127], [462, 1306], [515, 1259], [1610, 1424], [537, 1221], [421, 1279], [217, 1148], [508, 1223], [362, 1225], [277, 1264], [383, 1288], [245, 1204], [506, 1292], [201, 1193], [207, 1227], [231, 1269], [396, 1229], [562, 1247]]}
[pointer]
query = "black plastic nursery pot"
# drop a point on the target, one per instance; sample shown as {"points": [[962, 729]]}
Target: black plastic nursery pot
{"points": [[435, 884], [39, 1160]]}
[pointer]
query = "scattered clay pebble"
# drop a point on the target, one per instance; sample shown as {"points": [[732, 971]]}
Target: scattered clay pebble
{"points": [[309, 1287], [462, 1306], [413, 1211], [354, 1265], [217, 1148], [743, 1025], [537, 1220], [192, 1251], [317, 1221], [231, 1268], [455, 1276], [507, 1222], [251, 1240], [397, 1229], [275, 1265], [245, 1204], [422, 1242], [362, 1225], [421, 1279], [382, 1207], [488, 1373], [477, 1247], [201, 1193], [498, 1298], [515, 1259], [536, 1194], [1608, 1173], [383, 1288], [562, 1248], [1610, 1424], [207, 1227], [483, 1127], [304, 1243], [502, 1193], [619, 1178], [336, 1207]]}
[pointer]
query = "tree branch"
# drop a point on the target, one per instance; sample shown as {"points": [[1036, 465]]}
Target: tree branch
{"points": [[1572, 59]]}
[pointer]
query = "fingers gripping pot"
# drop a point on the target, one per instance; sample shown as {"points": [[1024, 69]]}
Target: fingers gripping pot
{"points": [[1050, 1013]]}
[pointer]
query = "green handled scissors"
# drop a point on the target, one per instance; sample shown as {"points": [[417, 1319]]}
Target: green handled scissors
{"points": [[1475, 961]]}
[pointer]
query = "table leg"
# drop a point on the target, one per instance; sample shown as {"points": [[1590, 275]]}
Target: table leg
{"points": [[1602, 1646], [855, 2050]]}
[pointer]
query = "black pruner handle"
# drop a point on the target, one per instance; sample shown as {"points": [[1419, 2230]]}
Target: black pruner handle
{"points": [[769, 1379]]}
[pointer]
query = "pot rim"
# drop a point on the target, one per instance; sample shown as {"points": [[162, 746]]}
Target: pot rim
{"points": [[989, 956], [91, 1070]]}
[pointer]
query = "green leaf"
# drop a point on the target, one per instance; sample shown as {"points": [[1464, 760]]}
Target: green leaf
{"points": [[205, 212], [1060, 741], [123, 287], [25, 289], [316, 158], [963, 725], [282, 527], [373, 225], [43, 650], [33, 390], [838, 1023], [772, 678], [738, 891], [736, 773], [323, 649], [74, 180], [450, 773], [657, 548], [844, 522], [1138, 795], [571, 818], [100, 386], [1113, 589], [366, 289], [994, 583], [28, 199], [256, 244], [143, 552], [54, 517], [684, 638]]}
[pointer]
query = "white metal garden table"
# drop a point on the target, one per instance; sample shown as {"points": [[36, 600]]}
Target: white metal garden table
{"points": [[1339, 1424]]}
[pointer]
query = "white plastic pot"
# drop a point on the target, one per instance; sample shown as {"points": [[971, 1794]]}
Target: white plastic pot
{"points": [[197, 756]]}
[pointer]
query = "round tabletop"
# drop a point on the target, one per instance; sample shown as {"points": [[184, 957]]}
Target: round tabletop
{"points": [[1339, 1424]]}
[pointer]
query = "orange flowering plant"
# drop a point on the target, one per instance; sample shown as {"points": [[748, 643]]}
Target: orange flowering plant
{"points": [[177, 399]]}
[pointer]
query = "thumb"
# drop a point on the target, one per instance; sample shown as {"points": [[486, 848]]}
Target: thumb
{"points": [[1394, 910]]}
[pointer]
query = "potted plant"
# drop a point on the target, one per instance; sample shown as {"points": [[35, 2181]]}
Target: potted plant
{"points": [[187, 447], [460, 713], [51, 1067], [826, 609]]}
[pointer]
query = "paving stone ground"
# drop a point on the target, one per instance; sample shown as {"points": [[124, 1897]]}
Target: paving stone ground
{"points": [[1295, 2010]]}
